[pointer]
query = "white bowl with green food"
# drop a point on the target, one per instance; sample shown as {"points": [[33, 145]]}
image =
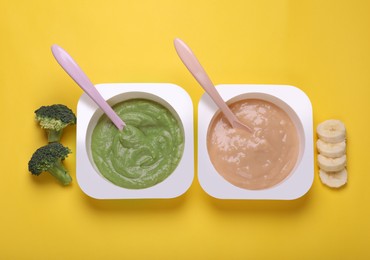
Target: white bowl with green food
{"points": [[153, 157]]}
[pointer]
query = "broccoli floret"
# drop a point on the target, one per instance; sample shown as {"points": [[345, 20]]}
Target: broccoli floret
{"points": [[54, 119], [49, 158]]}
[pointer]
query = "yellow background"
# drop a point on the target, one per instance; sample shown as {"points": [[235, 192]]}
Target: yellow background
{"points": [[322, 47]]}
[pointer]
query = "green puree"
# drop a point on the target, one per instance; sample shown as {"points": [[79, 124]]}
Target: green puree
{"points": [[146, 152]]}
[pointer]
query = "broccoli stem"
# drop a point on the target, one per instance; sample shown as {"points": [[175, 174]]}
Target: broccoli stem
{"points": [[54, 136], [59, 172]]}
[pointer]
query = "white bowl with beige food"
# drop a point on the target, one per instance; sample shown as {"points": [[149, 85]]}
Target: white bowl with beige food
{"points": [[275, 161]]}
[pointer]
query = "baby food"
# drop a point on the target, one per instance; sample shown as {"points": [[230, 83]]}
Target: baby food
{"points": [[146, 152], [332, 158], [256, 160]]}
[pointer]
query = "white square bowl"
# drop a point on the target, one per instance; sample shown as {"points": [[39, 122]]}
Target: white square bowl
{"points": [[174, 98], [298, 106]]}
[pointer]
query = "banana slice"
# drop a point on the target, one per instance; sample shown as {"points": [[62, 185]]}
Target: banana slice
{"points": [[331, 131], [331, 150], [334, 179], [331, 164]]}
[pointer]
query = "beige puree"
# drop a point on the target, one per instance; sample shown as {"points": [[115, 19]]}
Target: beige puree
{"points": [[255, 160]]}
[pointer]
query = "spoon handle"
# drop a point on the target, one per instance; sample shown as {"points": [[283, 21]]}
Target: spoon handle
{"points": [[196, 69], [77, 74]]}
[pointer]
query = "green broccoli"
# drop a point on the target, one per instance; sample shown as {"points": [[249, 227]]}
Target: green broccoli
{"points": [[49, 158], [54, 119]]}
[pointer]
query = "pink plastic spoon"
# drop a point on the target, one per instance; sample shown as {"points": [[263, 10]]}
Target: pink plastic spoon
{"points": [[196, 69], [76, 73]]}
